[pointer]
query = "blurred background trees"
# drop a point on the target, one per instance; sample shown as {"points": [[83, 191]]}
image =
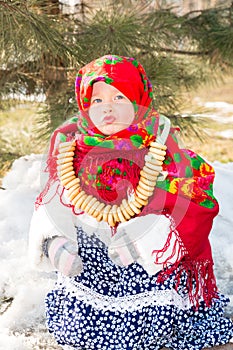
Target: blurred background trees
{"points": [[182, 45]]}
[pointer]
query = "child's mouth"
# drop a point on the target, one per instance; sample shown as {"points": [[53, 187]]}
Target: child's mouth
{"points": [[109, 119]]}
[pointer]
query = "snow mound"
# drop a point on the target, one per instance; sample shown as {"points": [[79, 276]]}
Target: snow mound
{"points": [[22, 290]]}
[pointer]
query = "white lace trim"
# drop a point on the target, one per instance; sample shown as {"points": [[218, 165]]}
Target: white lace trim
{"points": [[127, 303]]}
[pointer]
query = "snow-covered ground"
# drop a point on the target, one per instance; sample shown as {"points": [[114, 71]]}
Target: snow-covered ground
{"points": [[221, 112], [22, 290]]}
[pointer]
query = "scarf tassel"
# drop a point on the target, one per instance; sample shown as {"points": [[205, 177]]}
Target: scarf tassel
{"points": [[199, 275]]}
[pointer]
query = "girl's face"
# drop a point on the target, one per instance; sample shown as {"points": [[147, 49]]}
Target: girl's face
{"points": [[110, 110]]}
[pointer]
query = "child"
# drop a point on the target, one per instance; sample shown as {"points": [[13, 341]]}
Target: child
{"points": [[125, 221]]}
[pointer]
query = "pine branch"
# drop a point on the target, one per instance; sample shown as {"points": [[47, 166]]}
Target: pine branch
{"points": [[182, 52], [42, 50], [37, 29]]}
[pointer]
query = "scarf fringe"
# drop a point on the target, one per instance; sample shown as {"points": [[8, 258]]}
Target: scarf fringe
{"points": [[199, 274], [200, 280], [40, 199]]}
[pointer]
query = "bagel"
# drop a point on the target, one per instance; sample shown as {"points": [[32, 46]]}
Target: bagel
{"points": [[63, 167], [67, 174], [65, 154], [80, 199], [141, 201], [75, 191], [120, 215], [67, 180], [89, 204], [158, 145], [87, 200], [73, 182], [105, 212], [66, 144], [114, 213], [151, 166], [134, 208], [65, 160], [91, 210], [98, 210]]}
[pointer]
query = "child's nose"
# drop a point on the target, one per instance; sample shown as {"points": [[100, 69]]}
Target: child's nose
{"points": [[107, 108]]}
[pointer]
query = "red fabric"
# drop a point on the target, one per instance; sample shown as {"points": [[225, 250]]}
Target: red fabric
{"points": [[124, 73], [186, 196]]}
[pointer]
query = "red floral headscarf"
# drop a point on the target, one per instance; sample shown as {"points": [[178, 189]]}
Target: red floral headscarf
{"points": [[109, 165]]}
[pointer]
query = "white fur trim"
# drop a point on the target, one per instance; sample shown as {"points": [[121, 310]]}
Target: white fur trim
{"points": [[137, 239], [144, 234], [49, 220]]}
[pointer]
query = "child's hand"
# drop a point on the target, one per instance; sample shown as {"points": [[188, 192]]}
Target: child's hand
{"points": [[63, 254], [127, 250], [137, 240]]}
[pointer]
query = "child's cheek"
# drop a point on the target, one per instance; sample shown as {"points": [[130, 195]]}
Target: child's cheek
{"points": [[95, 114], [126, 113]]}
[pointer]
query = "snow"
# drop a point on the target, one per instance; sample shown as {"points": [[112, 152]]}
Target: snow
{"points": [[221, 112], [222, 106], [22, 290], [69, 7], [227, 134]]}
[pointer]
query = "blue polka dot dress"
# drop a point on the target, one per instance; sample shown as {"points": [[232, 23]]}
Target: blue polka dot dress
{"points": [[109, 307]]}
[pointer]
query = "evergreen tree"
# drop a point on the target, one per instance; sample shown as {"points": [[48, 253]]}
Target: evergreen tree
{"points": [[42, 49]]}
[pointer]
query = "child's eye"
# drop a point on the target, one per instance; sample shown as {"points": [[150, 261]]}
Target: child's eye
{"points": [[119, 97], [96, 100]]}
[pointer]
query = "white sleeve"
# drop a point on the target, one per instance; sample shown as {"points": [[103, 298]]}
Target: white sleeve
{"points": [[49, 220], [137, 238]]}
